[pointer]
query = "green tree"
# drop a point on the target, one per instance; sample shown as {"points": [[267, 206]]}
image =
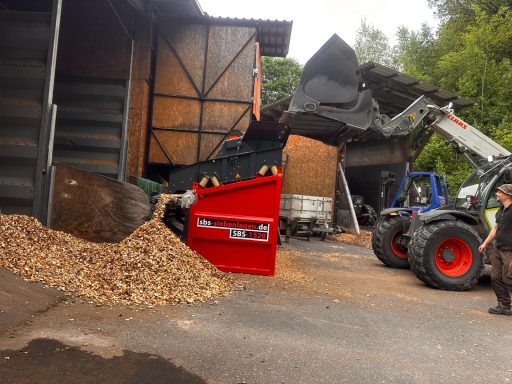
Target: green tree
{"points": [[280, 78], [465, 9], [372, 45], [416, 53], [471, 55], [439, 156]]}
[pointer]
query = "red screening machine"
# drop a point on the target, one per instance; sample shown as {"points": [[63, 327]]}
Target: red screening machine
{"points": [[227, 208]]}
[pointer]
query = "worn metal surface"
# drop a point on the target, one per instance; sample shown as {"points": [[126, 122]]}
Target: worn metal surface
{"points": [[204, 85], [238, 159], [345, 213], [140, 96], [93, 42], [95, 207], [365, 181], [93, 87], [375, 152], [26, 84], [89, 131]]}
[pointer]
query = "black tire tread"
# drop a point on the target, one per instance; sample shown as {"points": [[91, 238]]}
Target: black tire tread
{"points": [[379, 242], [372, 215], [421, 268]]}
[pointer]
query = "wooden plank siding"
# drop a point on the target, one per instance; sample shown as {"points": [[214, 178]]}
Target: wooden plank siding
{"points": [[204, 89]]}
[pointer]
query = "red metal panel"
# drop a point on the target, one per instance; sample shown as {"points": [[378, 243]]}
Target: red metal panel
{"points": [[234, 226]]}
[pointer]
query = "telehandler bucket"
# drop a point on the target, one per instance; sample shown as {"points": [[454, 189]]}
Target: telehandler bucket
{"points": [[327, 105], [329, 76]]}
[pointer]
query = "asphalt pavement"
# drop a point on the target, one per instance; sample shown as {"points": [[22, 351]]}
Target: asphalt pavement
{"points": [[339, 316]]}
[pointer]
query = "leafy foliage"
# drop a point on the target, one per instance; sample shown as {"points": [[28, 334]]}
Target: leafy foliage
{"points": [[415, 52], [280, 78], [439, 156], [372, 45], [471, 55]]}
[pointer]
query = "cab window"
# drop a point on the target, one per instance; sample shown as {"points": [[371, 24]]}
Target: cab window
{"points": [[492, 202]]}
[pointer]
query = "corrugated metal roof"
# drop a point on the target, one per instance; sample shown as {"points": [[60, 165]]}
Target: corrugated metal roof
{"points": [[177, 8], [395, 91], [273, 35]]}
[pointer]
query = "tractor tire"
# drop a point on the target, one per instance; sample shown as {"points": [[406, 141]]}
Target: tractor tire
{"points": [[444, 255], [372, 215], [386, 241]]}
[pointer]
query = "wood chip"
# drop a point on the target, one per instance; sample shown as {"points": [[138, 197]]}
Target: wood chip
{"points": [[150, 267], [364, 239], [311, 167], [287, 266]]}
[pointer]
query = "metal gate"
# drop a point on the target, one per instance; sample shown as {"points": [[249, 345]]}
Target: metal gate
{"points": [[28, 46], [203, 89]]}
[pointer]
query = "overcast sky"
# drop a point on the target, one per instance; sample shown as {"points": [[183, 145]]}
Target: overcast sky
{"points": [[315, 21]]}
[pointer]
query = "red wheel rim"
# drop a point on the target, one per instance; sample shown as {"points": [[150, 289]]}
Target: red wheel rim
{"points": [[397, 249], [453, 257]]}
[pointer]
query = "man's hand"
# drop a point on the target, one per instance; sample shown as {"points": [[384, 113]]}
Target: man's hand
{"points": [[482, 247]]}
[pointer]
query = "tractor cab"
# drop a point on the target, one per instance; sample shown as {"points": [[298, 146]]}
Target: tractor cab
{"points": [[421, 191], [477, 194]]}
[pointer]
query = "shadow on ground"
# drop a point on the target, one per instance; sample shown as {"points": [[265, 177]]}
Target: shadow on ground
{"points": [[49, 361]]}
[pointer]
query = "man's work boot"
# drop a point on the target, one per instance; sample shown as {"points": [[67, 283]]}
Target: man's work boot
{"points": [[501, 310]]}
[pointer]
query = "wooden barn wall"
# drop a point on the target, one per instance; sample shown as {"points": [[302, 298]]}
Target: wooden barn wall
{"points": [[140, 97], [310, 167], [203, 90]]}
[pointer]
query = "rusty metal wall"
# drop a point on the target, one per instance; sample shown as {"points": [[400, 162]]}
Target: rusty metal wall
{"points": [[93, 41], [203, 89], [27, 52], [89, 125], [93, 85], [141, 80], [365, 181], [375, 152], [366, 159]]}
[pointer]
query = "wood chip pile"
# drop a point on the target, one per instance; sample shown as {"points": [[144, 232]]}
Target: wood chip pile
{"points": [[310, 168], [364, 239], [150, 267]]}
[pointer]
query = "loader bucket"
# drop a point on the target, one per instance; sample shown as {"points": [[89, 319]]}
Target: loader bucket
{"points": [[329, 77], [327, 104]]}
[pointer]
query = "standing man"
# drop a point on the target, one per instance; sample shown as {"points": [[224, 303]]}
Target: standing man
{"points": [[501, 259]]}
